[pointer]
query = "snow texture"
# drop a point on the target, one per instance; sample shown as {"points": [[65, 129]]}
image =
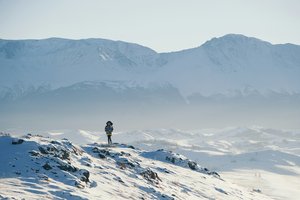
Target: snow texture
{"points": [[44, 168]]}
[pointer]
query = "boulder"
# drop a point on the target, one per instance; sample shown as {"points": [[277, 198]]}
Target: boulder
{"points": [[68, 168], [17, 141], [151, 176], [47, 166], [85, 175]]}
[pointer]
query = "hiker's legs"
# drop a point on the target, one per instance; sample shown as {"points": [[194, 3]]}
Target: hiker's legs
{"points": [[109, 139]]}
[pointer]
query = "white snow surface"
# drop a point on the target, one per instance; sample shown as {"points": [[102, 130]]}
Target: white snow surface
{"points": [[255, 158], [39, 167]]}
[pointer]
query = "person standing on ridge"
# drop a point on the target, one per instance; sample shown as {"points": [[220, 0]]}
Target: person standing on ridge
{"points": [[109, 129]]}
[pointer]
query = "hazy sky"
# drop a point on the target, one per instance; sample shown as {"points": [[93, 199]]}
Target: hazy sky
{"points": [[163, 25]]}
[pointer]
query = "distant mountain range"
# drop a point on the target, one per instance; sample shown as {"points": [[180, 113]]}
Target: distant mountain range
{"points": [[62, 76], [228, 65]]}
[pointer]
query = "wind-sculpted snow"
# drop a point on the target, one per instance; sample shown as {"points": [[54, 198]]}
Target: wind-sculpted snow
{"points": [[36, 167]]}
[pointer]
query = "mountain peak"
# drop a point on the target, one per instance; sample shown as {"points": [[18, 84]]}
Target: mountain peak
{"points": [[233, 39]]}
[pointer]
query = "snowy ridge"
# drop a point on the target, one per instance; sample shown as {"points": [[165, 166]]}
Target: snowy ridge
{"points": [[179, 160], [36, 167], [255, 157]]}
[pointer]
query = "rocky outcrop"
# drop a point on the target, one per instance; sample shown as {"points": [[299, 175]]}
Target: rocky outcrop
{"points": [[177, 159], [151, 176], [17, 141]]}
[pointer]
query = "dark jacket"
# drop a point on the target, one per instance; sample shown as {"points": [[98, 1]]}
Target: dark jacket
{"points": [[109, 129]]}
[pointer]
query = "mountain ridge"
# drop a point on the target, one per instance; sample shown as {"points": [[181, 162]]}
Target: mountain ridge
{"points": [[235, 60], [232, 35], [221, 76]]}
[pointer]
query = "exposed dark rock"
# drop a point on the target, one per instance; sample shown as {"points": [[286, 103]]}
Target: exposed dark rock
{"points": [[65, 155], [125, 154], [51, 149], [151, 176], [28, 136], [171, 159], [105, 152], [165, 170], [34, 153], [192, 165], [17, 141], [124, 162], [76, 150], [42, 150], [85, 175], [221, 190], [95, 150], [102, 156], [68, 168], [43, 177], [55, 142], [60, 153], [47, 166], [119, 180], [88, 165], [256, 190], [214, 173], [102, 151], [4, 134]]}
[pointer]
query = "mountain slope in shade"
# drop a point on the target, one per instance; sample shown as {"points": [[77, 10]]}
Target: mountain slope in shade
{"points": [[36, 167]]}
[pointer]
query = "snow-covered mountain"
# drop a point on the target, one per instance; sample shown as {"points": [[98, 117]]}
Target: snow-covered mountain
{"points": [[35, 167], [62, 62], [235, 63], [87, 81], [230, 64]]}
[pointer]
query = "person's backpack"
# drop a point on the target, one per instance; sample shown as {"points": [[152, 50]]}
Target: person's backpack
{"points": [[108, 129]]}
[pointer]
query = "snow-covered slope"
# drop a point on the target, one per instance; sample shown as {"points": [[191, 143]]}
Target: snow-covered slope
{"points": [[35, 167], [255, 157], [258, 158]]}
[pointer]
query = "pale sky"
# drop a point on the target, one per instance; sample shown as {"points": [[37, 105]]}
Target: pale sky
{"points": [[163, 25]]}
